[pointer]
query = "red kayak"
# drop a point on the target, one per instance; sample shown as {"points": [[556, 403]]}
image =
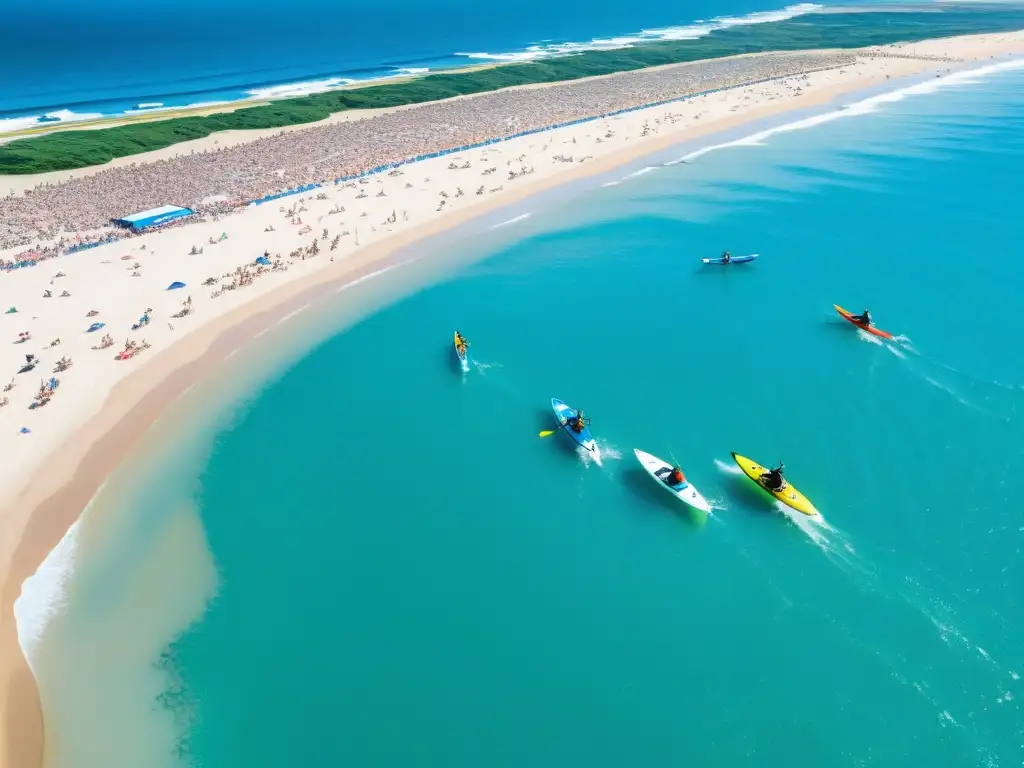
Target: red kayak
{"points": [[863, 326]]}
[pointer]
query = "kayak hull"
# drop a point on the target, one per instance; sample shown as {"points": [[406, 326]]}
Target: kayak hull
{"points": [[848, 316], [462, 353], [658, 469], [584, 439], [733, 260], [789, 496]]}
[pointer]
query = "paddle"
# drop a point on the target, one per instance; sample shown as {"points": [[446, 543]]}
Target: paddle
{"points": [[550, 432]]}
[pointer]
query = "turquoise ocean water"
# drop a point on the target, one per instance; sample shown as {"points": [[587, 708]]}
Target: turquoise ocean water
{"points": [[379, 563]]}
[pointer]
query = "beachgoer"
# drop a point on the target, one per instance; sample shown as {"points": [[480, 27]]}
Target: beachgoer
{"points": [[578, 422], [773, 479], [863, 318]]}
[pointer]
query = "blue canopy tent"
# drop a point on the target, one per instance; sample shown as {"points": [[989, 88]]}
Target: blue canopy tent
{"points": [[175, 285], [154, 217]]}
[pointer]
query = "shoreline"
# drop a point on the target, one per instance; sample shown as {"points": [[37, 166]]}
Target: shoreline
{"points": [[21, 184], [410, 72], [38, 515], [319, 99]]}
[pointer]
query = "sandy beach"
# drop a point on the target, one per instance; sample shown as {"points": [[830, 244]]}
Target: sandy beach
{"points": [[74, 405]]}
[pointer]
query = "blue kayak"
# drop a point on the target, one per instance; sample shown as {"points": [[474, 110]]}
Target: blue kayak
{"points": [[733, 260], [584, 438]]}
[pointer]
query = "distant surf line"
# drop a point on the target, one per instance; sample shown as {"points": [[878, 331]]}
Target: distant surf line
{"points": [[329, 81]]}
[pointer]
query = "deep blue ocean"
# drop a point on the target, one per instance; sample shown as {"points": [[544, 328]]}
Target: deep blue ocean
{"points": [[71, 59], [364, 557]]}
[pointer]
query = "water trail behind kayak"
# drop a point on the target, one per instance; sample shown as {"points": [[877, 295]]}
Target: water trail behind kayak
{"points": [[484, 367], [833, 542], [870, 338]]}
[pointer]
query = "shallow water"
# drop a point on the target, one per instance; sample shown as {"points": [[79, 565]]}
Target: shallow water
{"points": [[408, 575]]}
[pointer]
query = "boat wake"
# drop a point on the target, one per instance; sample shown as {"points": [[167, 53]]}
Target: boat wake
{"points": [[904, 341], [729, 469], [869, 338], [483, 367], [608, 453], [717, 505], [830, 540]]}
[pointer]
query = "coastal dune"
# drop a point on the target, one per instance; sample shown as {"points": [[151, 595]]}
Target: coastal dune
{"points": [[99, 408]]}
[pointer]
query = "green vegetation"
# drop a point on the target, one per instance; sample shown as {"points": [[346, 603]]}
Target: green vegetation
{"points": [[77, 149]]}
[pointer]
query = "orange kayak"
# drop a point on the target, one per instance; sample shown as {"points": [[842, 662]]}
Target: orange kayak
{"points": [[869, 328]]}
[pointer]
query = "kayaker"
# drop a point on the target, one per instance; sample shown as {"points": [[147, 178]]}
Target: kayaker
{"points": [[676, 477], [460, 344], [863, 319], [578, 422], [726, 257], [773, 479]]}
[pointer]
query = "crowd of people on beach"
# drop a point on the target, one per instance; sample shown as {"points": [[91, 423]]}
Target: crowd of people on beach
{"points": [[233, 176], [64, 244]]}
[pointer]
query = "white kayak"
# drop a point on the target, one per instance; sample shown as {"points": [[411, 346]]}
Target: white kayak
{"points": [[660, 470]]}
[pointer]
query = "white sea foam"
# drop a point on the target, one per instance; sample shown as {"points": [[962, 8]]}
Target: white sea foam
{"points": [[309, 87], [290, 90], [641, 172], [290, 315], [364, 278], [611, 184], [685, 32], [32, 121], [518, 218], [869, 338], [163, 108], [44, 594], [94, 622], [863, 107]]}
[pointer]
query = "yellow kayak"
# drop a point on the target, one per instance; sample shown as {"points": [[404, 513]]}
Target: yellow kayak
{"points": [[460, 351], [789, 496]]}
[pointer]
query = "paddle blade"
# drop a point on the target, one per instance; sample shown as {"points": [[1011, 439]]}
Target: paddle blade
{"points": [[547, 433]]}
